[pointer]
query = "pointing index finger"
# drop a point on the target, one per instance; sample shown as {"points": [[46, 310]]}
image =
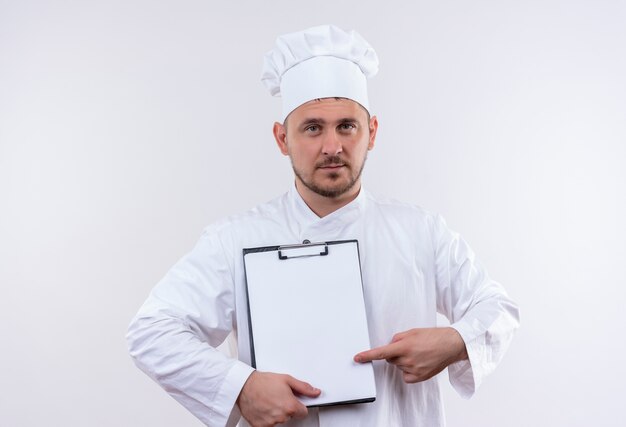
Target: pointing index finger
{"points": [[378, 353]]}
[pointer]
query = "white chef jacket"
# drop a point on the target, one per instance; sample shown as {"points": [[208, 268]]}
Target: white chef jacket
{"points": [[413, 266]]}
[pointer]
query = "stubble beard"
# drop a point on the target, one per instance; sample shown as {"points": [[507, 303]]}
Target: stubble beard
{"points": [[329, 191]]}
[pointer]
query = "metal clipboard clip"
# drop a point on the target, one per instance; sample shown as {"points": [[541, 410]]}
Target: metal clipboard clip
{"points": [[302, 250]]}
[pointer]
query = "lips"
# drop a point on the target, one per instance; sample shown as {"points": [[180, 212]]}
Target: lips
{"points": [[332, 163]]}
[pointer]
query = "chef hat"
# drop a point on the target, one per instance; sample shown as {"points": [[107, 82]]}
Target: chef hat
{"points": [[319, 62]]}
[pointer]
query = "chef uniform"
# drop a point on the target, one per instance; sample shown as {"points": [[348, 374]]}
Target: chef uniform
{"points": [[413, 266]]}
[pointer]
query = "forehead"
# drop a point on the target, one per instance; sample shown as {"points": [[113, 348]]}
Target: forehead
{"points": [[328, 109]]}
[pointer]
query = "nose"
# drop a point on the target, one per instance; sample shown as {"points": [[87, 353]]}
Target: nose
{"points": [[331, 144]]}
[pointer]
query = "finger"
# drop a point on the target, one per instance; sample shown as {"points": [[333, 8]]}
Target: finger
{"points": [[379, 353], [410, 378], [300, 411], [400, 335], [302, 388], [399, 361]]}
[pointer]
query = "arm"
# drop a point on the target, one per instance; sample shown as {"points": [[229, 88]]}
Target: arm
{"points": [[173, 336], [483, 320], [477, 307]]}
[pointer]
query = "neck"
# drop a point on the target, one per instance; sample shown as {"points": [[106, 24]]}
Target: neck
{"points": [[323, 206]]}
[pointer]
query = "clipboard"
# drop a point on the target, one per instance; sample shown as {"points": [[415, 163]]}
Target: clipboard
{"points": [[307, 318]]}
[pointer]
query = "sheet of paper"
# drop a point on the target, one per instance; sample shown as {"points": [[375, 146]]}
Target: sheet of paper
{"points": [[308, 320]]}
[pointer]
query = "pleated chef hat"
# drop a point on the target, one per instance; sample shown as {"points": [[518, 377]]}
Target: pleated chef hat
{"points": [[319, 62]]}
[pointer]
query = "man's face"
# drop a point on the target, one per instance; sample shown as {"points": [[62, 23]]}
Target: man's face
{"points": [[327, 141]]}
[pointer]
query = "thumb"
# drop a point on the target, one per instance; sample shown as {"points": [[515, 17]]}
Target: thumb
{"points": [[399, 336], [302, 388]]}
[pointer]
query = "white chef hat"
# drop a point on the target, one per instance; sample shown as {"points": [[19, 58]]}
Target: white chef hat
{"points": [[319, 62]]}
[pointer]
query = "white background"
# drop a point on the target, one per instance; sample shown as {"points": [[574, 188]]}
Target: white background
{"points": [[128, 126]]}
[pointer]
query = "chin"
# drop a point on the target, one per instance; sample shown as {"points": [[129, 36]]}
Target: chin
{"points": [[334, 191]]}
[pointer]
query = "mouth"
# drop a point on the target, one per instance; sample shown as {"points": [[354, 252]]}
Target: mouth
{"points": [[332, 166]]}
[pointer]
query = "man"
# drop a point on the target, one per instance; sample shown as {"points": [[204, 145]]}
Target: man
{"points": [[413, 266]]}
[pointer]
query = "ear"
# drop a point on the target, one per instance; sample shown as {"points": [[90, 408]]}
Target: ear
{"points": [[280, 135], [373, 130]]}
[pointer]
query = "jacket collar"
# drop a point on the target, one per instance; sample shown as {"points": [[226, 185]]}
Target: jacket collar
{"points": [[306, 218]]}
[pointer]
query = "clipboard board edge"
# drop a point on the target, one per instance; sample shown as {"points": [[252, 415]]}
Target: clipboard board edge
{"points": [[247, 251], [344, 402]]}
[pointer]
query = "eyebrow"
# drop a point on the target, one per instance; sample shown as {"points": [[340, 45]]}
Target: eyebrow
{"points": [[319, 121]]}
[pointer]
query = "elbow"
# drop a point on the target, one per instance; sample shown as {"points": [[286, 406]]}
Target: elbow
{"points": [[144, 346], [156, 344], [141, 340], [511, 308]]}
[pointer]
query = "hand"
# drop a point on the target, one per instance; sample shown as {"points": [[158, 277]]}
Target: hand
{"points": [[420, 353], [267, 399]]}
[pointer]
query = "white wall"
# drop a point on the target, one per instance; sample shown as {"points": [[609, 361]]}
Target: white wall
{"points": [[126, 127]]}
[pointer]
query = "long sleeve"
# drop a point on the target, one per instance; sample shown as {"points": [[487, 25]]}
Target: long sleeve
{"points": [[477, 307], [173, 336]]}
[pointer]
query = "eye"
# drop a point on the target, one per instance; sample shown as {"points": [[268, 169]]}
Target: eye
{"points": [[312, 128], [347, 126]]}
